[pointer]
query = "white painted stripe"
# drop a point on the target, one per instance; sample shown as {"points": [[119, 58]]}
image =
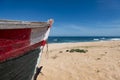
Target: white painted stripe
{"points": [[38, 61], [37, 35], [41, 48], [44, 37], [47, 34]]}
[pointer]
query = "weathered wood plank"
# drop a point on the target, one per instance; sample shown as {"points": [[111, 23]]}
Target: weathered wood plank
{"points": [[5, 24]]}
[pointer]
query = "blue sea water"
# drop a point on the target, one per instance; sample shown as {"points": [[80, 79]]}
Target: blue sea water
{"points": [[64, 39]]}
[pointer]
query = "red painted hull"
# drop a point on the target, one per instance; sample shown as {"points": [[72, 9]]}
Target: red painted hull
{"points": [[15, 40]]}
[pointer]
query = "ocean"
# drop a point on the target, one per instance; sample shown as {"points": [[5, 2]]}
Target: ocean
{"points": [[68, 39]]}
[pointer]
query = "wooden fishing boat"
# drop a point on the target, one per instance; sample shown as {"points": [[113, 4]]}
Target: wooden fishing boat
{"points": [[21, 44]]}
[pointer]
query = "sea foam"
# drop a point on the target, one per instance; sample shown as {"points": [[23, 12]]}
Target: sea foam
{"points": [[115, 39]]}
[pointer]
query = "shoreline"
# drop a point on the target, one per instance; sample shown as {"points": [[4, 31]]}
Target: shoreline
{"points": [[86, 41], [82, 39]]}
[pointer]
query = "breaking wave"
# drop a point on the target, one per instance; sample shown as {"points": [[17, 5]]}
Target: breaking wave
{"points": [[115, 39], [96, 39]]}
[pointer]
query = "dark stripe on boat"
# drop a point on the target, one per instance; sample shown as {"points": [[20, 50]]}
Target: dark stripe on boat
{"points": [[20, 68]]}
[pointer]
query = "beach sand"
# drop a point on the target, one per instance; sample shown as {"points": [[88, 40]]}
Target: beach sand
{"points": [[101, 62]]}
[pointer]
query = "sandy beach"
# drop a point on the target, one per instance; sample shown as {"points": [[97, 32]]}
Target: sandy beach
{"points": [[100, 62]]}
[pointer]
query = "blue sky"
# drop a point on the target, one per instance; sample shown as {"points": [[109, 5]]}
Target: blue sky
{"points": [[72, 17]]}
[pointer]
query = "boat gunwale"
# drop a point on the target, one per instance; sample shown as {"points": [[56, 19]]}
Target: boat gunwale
{"points": [[9, 24]]}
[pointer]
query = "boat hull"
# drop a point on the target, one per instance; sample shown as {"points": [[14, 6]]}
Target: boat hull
{"points": [[21, 45], [20, 68]]}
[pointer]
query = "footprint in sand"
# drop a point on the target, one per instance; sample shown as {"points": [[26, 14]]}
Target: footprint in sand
{"points": [[99, 58], [97, 71], [104, 54], [60, 51]]}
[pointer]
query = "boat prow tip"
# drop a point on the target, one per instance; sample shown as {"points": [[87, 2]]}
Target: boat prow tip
{"points": [[51, 21]]}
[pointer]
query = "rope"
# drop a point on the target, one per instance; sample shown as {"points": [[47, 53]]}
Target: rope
{"points": [[47, 51]]}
